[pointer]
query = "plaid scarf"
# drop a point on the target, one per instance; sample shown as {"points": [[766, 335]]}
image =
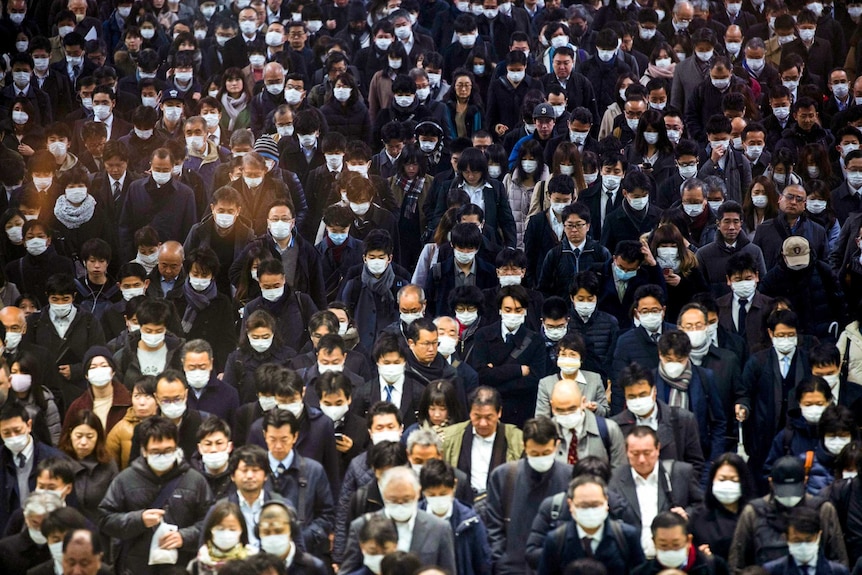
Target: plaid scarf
{"points": [[412, 190]]}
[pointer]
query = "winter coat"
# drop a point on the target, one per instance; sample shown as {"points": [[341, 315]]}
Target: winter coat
{"points": [[352, 121], [136, 489], [634, 345], [216, 398], [292, 311], [201, 236], [128, 366], [10, 497], [772, 233], [119, 441], [371, 313], [244, 361], [472, 552], [334, 272], [92, 479], [30, 273], [560, 266], [712, 261], [169, 209], [214, 324], [539, 239], [600, 333], [120, 403], [519, 197]]}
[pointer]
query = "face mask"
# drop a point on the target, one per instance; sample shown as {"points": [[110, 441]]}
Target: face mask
{"points": [[36, 246], [647, 34], [784, 345], [529, 166], [833, 380], [743, 289], [100, 376], [606, 55], [638, 204], [382, 44], [672, 558], [335, 412], [555, 333], [467, 40], [753, 152], [782, 112], [224, 539], [804, 553], [58, 149], [632, 123], [727, 492], [714, 205], [759, 201], [446, 345], [161, 178], [733, 47], [163, 461], [215, 461], [806, 35], [376, 266], [198, 378], [61, 309], [409, 318], [467, 317], [35, 534], [789, 502], [755, 64], [704, 56], [404, 101], [681, 56], [530, 128], [611, 183], [720, 83], [13, 339], [641, 406], [150, 259], [622, 275], [854, 179], [835, 444], [541, 463], [279, 230], [21, 78], [651, 138], [272, 294], [673, 369], [791, 84], [651, 321], [591, 517], [307, 140], [391, 373], [559, 41], [294, 408], [338, 239], [812, 413], [463, 257], [815, 206], [434, 79], [267, 402], [513, 321], [566, 171], [515, 77], [21, 382], [685, 173], [17, 443], [373, 563], [153, 339], [840, 90], [277, 545], [400, 513], [76, 195]]}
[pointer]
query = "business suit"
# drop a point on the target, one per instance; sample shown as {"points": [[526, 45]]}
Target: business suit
{"points": [[682, 490], [621, 225], [635, 345], [726, 368], [498, 212], [755, 333], [609, 299], [608, 553], [19, 553], [369, 393], [432, 542], [677, 433], [499, 364], [818, 57]]}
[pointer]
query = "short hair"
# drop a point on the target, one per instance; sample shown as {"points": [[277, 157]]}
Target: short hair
{"points": [[96, 248], [399, 473], [417, 327], [154, 311], [252, 455], [425, 438], [511, 257], [674, 342], [669, 520], [14, 409], [60, 284], [577, 209], [157, 427], [484, 396], [586, 280], [383, 408], [213, 424], [330, 342], [634, 373], [629, 250], [782, 317], [824, 354], [323, 318], [804, 519], [437, 473], [541, 430], [387, 343], [740, 263], [386, 454], [649, 290], [466, 235], [555, 307], [197, 346], [62, 520], [378, 240], [331, 382], [278, 418], [41, 503], [378, 529], [57, 467]]}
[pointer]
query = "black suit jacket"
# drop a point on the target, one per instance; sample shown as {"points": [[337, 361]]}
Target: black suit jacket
{"points": [[609, 300], [677, 488], [369, 393], [18, 553], [755, 320]]}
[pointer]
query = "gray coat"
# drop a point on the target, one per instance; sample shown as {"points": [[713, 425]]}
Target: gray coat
{"points": [[433, 543], [687, 76], [592, 444], [593, 390], [712, 261], [736, 174]]}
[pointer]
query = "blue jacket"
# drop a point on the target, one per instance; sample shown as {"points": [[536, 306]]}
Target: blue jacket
{"points": [[633, 345], [169, 209], [472, 552], [787, 566], [216, 398], [10, 498], [609, 552], [705, 402]]}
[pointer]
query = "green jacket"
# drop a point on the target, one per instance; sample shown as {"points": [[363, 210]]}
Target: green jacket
{"points": [[453, 437]]}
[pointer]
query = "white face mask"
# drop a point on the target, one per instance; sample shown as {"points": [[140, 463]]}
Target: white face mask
{"points": [[804, 553], [541, 463], [153, 340], [784, 345], [641, 406], [727, 492], [335, 412], [260, 345], [173, 410], [812, 413], [267, 402], [672, 558], [674, 369], [401, 512], [100, 376], [376, 266], [273, 294], [391, 373], [198, 378], [651, 321], [467, 317], [591, 517], [446, 345], [744, 288], [570, 420], [440, 505], [277, 545], [225, 539], [330, 367], [373, 562], [513, 321], [835, 444], [161, 462]]}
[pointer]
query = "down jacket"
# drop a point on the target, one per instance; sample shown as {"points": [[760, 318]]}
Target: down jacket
{"points": [[519, 197]]}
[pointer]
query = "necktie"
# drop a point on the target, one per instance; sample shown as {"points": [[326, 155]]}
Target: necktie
{"points": [[280, 470], [587, 542], [21, 460], [609, 203], [389, 390], [785, 365], [116, 190], [577, 253], [621, 289], [740, 318], [509, 337], [76, 70], [654, 337], [573, 449]]}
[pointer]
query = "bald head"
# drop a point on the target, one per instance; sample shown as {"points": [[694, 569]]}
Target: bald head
{"points": [[13, 319], [82, 555], [566, 396], [170, 260], [273, 71]]}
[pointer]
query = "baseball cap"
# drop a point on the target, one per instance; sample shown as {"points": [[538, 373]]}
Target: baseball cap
{"points": [[788, 477], [796, 251], [172, 95], [544, 111]]}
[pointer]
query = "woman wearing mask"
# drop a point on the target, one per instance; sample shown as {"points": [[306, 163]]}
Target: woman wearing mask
{"points": [[12, 244], [651, 149], [346, 111], [438, 407], [819, 208], [79, 217], [520, 182], [411, 186], [782, 169], [225, 538], [497, 161], [380, 88], [27, 383], [247, 287], [21, 130], [679, 266], [571, 353], [814, 164], [464, 105], [144, 405], [483, 67], [261, 344], [607, 126], [662, 64], [152, 33], [759, 205], [206, 313], [468, 303], [83, 440], [431, 250], [729, 489], [106, 397], [234, 96]]}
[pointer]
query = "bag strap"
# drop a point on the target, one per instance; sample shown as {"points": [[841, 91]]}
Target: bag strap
{"points": [[303, 489], [845, 365], [301, 311], [602, 424], [620, 538], [165, 492], [809, 462], [509, 492], [557, 505], [516, 353]]}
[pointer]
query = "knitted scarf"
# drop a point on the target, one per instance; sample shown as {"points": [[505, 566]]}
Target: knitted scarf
{"points": [[678, 387], [74, 216], [654, 71], [381, 286], [196, 301], [697, 354], [412, 189], [233, 107]]}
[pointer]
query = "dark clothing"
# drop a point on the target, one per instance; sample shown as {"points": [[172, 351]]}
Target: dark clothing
{"points": [[634, 345], [713, 524], [128, 365], [216, 398], [618, 553], [241, 364], [370, 393], [772, 233], [600, 332], [603, 77], [30, 273], [291, 311], [19, 554], [443, 279], [215, 324], [561, 264], [335, 261], [371, 311], [11, 497], [205, 235], [702, 565], [169, 209], [624, 223], [352, 121], [609, 299]]}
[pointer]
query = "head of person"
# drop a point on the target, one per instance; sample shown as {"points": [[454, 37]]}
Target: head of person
{"points": [[730, 482], [540, 443], [159, 438], [787, 480], [642, 450], [486, 408], [82, 552], [55, 475], [280, 432], [804, 536], [384, 422], [400, 489], [587, 497], [672, 539], [83, 438], [378, 538], [225, 527], [277, 528], [214, 444], [423, 340], [248, 468], [439, 405], [15, 426]]}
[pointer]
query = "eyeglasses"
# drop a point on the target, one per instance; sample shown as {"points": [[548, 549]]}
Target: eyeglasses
{"points": [[793, 199], [576, 226], [427, 344]]}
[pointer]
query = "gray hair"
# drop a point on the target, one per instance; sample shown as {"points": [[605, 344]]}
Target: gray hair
{"points": [[691, 184], [197, 346], [700, 5], [578, 11], [400, 473], [680, 5], [755, 43], [424, 438], [242, 137], [41, 503], [715, 183], [412, 288]]}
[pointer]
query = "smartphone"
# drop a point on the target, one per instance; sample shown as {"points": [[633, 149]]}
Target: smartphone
{"points": [[339, 436]]}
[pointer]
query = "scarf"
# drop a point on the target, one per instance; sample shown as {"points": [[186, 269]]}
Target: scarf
{"points": [[336, 250], [654, 71], [197, 301], [412, 189], [697, 354], [71, 216], [211, 558], [678, 387], [233, 107], [381, 286]]}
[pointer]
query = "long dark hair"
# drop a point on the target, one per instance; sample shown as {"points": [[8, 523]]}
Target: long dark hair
{"points": [[28, 364], [85, 417], [745, 479], [441, 392]]}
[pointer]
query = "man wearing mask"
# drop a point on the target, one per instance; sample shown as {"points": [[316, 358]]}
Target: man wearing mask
{"points": [[791, 220], [411, 307], [393, 383], [236, 49], [270, 98], [279, 531], [419, 532], [635, 216], [743, 311], [28, 547], [612, 543], [803, 545], [674, 549], [517, 489], [15, 323], [169, 275], [22, 86], [136, 500], [448, 338], [758, 541], [208, 393], [584, 434], [424, 362], [631, 268]]}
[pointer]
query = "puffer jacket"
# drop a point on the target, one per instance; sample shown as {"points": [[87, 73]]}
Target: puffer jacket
{"points": [[52, 414], [519, 197], [850, 342], [119, 442], [472, 552], [136, 489], [91, 482], [600, 333]]}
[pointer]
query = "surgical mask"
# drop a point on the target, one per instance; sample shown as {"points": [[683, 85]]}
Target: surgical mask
{"points": [[790, 84], [184, 77], [559, 41], [423, 93], [840, 90], [591, 517], [285, 131], [295, 408], [211, 120], [704, 56], [759, 201], [21, 78], [144, 134], [36, 246], [391, 373], [672, 558], [815, 206], [373, 563], [198, 378], [161, 178], [279, 230], [513, 321], [35, 534], [753, 152], [13, 339], [467, 40], [273, 294], [555, 333], [382, 44], [153, 339], [100, 376], [173, 410], [446, 345], [585, 309], [733, 47], [376, 266], [529, 166], [854, 179], [76, 195], [806, 35], [541, 463], [755, 64], [847, 148], [568, 365], [674, 136], [440, 505], [267, 402], [714, 204], [400, 512], [493, 171], [293, 97], [720, 83], [663, 63], [63, 30], [651, 138], [409, 318], [647, 34], [529, 128], [338, 239], [195, 143], [388, 435], [405, 101], [812, 413], [743, 289], [558, 207], [638, 204], [804, 553], [611, 183], [224, 539], [342, 94], [784, 345], [651, 321], [515, 77], [464, 258], [632, 123], [58, 149], [789, 502], [479, 69], [566, 171], [641, 406], [467, 317], [335, 412], [150, 259], [214, 461], [687, 172], [61, 309], [605, 55], [835, 444], [21, 382], [727, 492], [163, 461], [623, 275], [673, 369], [434, 79], [781, 112], [578, 137], [277, 545], [570, 420], [17, 443]]}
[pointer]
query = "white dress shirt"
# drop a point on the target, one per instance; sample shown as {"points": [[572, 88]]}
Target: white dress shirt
{"points": [[405, 534], [480, 461], [397, 391], [595, 538], [647, 492]]}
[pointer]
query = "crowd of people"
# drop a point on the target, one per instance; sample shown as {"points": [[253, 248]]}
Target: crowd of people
{"points": [[430, 287]]}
